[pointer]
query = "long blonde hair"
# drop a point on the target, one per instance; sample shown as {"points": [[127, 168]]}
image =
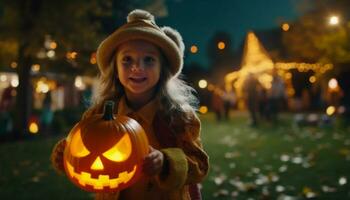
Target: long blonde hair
{"points": [[177, 98]]}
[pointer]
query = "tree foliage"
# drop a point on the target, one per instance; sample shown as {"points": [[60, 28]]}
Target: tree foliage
{"points": [[75, 26], [313, 39]]}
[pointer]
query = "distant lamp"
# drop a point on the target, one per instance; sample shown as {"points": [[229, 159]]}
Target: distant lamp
{"points": [[14, 82], [341, 109], [194, 49], [50, 53], [221, 45], [333, 83], [330, 110], [93, 58], [71, 55], [334, 20], [36, 68], [3, 78], [202, 84], [33, 125], [312, 79], [14, 65], [203, 109], [33, 128], [285, 27], [53, 45], [79, 83], [42, 87]]}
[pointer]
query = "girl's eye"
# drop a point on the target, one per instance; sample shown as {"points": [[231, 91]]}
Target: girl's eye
{"points": [[126, 60], [149, 60]]}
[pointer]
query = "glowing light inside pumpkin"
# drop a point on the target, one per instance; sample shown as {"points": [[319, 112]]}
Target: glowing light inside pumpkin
{"points": [[77, 147], [33, 128], [84, 178], [97, 164], [121, 151]]}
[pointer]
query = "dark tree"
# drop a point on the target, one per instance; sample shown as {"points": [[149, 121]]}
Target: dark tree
{"points": [[76, 26]]}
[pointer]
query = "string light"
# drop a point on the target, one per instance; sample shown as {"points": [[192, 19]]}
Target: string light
{"points": [[312, 79], [221, 45], [202, 84], [334, 20], [93, 58], [285, 27], [13, 65], [333, 83], [203, 109], [33, 128], [257, 61], [194, 49], [330, 110]]}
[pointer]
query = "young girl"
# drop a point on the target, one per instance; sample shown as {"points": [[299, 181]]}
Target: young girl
{"points": [[139, 65]]}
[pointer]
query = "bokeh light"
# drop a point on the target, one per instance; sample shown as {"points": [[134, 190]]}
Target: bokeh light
{"points": [[330, 110], [285, 27], [333, 83], [334, 20], [33, 128], [203, 109], [312, 79], [221, 45], [194, 49], [202, 84]]}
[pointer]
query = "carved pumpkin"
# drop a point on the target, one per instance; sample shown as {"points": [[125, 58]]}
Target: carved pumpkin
{"points": [[104, 153]]}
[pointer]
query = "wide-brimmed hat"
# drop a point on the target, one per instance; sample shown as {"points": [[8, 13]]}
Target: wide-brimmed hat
{"points": [[141, 25]]}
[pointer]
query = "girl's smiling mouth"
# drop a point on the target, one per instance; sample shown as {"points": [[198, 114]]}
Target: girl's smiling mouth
{"points": [[138, 79]]}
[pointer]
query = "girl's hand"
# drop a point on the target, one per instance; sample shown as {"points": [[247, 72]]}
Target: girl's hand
{"points": [[153, 162]]}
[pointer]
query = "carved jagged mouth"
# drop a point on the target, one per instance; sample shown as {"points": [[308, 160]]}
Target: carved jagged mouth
{"points": [[84, 178]]}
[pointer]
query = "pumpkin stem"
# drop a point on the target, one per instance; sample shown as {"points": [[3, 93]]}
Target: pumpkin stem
{"points": [[108, 110]]}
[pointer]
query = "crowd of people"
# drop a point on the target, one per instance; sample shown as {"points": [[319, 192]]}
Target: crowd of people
{"points": [[8, 106], [262, 103]]}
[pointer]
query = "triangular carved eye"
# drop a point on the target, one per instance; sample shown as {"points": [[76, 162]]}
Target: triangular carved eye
{"points": [[77, 147], [120, 151]]}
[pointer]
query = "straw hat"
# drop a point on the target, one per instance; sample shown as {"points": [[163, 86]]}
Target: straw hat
{"points": [[141, 25]]}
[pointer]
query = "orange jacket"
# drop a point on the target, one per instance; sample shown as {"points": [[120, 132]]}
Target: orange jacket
{"points": [[186, 162]]}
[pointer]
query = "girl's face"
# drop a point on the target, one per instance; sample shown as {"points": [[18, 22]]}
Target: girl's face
{"points": [[138, 64]]}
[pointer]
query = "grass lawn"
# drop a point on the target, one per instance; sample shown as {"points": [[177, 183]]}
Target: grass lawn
{"points": [[274, 161]]}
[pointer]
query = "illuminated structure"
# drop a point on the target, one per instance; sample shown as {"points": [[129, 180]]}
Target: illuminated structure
{"points": [[257, 61]]}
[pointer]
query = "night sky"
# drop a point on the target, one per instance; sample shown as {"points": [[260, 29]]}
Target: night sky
{"points": [[199, 20]]}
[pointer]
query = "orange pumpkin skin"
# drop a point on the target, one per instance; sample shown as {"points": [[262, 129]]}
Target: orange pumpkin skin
{"points": [[105, 155]]}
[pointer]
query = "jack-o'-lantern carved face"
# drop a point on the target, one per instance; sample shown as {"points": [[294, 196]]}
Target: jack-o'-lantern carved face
{"points": [[104, 154]]}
